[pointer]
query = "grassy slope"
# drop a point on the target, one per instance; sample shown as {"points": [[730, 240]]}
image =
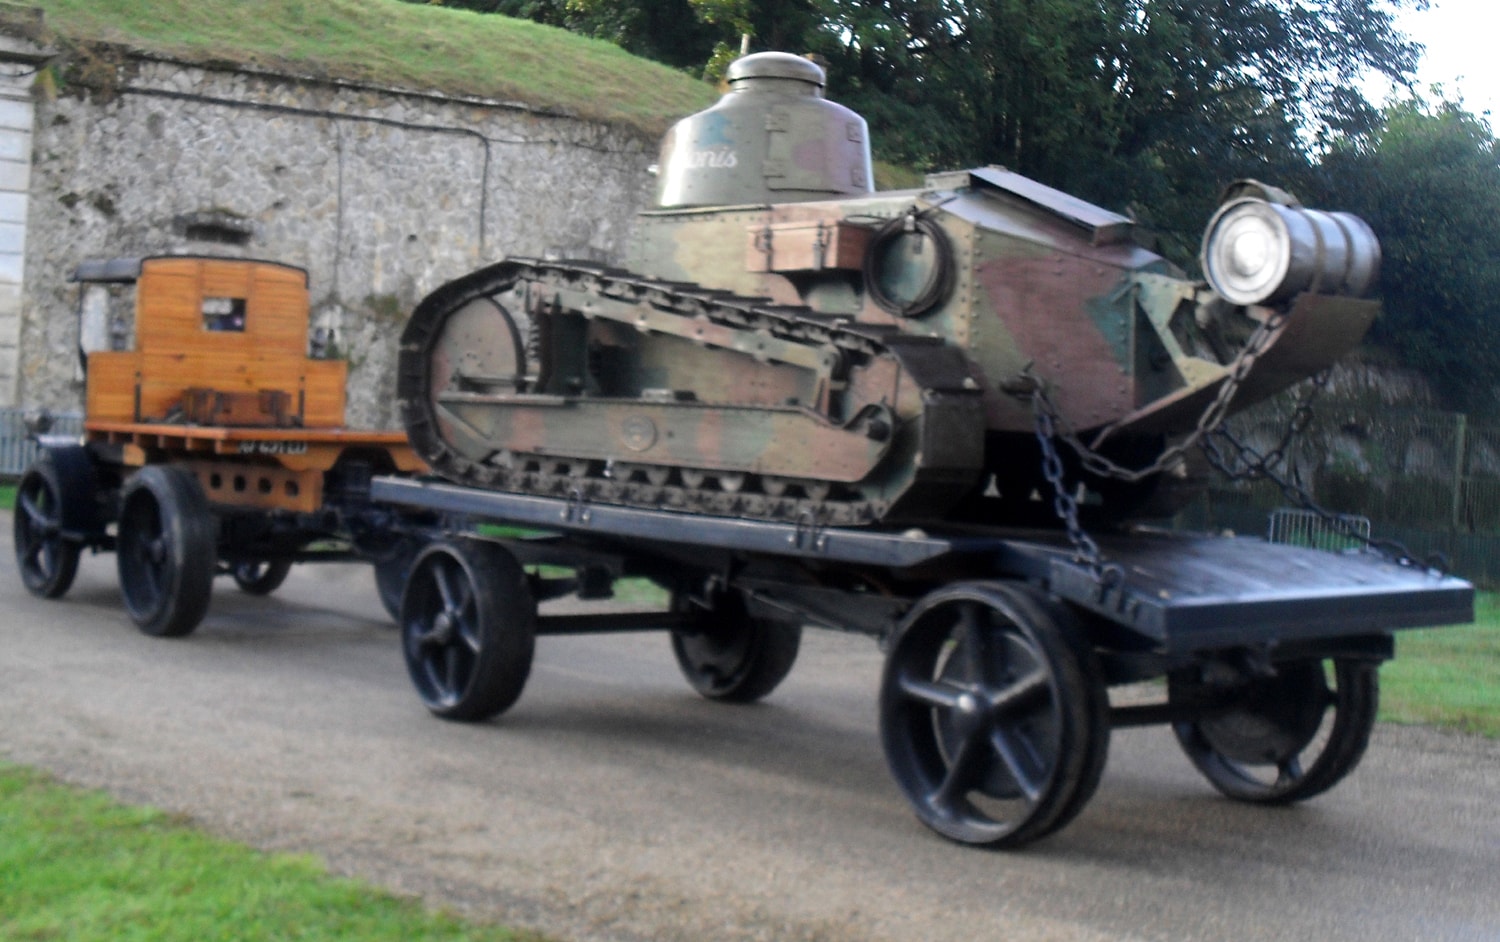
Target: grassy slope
{"points": [[387, 42]]}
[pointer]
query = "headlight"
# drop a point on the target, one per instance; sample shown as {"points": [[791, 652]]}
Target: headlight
{"points": [[1255, 252]]}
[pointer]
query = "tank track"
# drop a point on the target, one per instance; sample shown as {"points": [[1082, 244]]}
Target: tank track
{"points": [[677, 488]]}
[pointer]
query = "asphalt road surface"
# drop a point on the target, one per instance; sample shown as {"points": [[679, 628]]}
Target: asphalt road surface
{"points": [[614, 804]]}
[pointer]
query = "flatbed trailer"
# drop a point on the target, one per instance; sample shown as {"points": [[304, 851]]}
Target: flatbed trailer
{"points": [[1001, 645]]}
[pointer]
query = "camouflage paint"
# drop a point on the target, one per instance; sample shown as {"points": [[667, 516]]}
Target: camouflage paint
{"points": [[1028, 283]]}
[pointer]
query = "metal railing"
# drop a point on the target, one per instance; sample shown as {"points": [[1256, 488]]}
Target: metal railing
{"points": [[18, 448], [1309, 528]]}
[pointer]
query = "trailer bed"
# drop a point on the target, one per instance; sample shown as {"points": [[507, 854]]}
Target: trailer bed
{"points": [[1180, 593]]}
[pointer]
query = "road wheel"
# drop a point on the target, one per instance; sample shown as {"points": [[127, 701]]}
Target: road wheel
{"points": [[260, 576], [1289, 736], [468, 629], [55, 502], [733, 656], [993, 714], [165, 550]]}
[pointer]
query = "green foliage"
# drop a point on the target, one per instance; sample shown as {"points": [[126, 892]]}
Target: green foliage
{"points": [[1428, 182], [75, 865], [1148, 106], [390, 43]]}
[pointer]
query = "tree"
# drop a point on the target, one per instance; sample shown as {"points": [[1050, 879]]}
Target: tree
{"points": [[1144, 106], [1428, 182], [1148, 106]]}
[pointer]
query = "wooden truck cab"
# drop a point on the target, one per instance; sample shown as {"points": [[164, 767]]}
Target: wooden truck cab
{"points": [[218, 379]]}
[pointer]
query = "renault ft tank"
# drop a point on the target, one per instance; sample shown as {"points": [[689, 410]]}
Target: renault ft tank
{"points": [[784, 343]]}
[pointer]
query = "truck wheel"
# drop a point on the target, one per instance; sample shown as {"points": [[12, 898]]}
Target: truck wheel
{"points": [[1290, 736], [260, 576], [468, 629], [166, 550], [993, 714], [733, 656], [55, 495]]}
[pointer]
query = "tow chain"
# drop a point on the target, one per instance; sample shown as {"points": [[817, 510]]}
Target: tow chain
{"points": [[1244, 463], [1213, 415], [1227, 454], [1051, 427], [1085, 549]]}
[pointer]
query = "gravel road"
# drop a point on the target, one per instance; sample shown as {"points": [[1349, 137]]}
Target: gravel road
{"points": [[613, 804]]}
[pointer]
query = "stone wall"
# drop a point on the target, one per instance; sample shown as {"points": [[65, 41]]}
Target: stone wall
{"points": [[381, 194]]}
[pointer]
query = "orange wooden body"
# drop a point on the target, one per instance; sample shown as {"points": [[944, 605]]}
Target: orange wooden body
{"points": [[225, 340]]}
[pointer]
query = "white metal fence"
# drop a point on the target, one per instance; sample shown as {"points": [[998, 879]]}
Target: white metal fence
{"points": [[1325, 532], [17, 448]]}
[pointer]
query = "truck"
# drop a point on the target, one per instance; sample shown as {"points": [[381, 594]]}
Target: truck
{"points": [[213, 444]]}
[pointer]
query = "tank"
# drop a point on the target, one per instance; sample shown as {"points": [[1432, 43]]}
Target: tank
{"points": [[781, 342]]}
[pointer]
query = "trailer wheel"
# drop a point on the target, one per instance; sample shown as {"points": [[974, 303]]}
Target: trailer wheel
{"points": [[1288, 737], [260, 576], [391, 572], [468, 629], [993, 714], [165, 550], [733, 656], [56, 494]]}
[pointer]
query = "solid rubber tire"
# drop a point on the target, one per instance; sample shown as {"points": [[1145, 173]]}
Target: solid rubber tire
{"points": [[166, 550], [733, 656], [468, 611], [254, 581], [1355, 704], [57, 492], [933, 725], [391, 574]]}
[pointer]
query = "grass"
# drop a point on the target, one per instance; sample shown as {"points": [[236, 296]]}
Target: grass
{"points": [[1448, 676], [76, 865], [387, 42]]}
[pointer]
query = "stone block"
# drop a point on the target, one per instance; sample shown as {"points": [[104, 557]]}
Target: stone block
{"points": [[12, 238], [16, 115], [15, 175], [13, 207]]}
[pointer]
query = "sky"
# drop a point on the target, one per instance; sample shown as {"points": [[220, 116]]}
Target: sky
{"points": [[1462, 54]]}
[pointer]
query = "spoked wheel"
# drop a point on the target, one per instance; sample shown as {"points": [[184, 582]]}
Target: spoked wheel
{"points": [[993, 714], [55, 495], [732, 655], [260, 576], [1286, 737], [468, 629], [165, 550]]}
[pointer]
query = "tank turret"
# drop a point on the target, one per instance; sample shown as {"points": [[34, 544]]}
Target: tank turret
{"points": [[773, 139]]}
